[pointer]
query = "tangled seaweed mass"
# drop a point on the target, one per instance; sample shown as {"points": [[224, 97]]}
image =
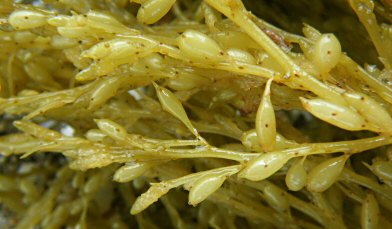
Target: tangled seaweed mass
{"points": [[196, 114]]}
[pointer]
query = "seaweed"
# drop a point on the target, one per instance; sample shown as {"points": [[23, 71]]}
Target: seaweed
{"points": [[195, 114]]}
